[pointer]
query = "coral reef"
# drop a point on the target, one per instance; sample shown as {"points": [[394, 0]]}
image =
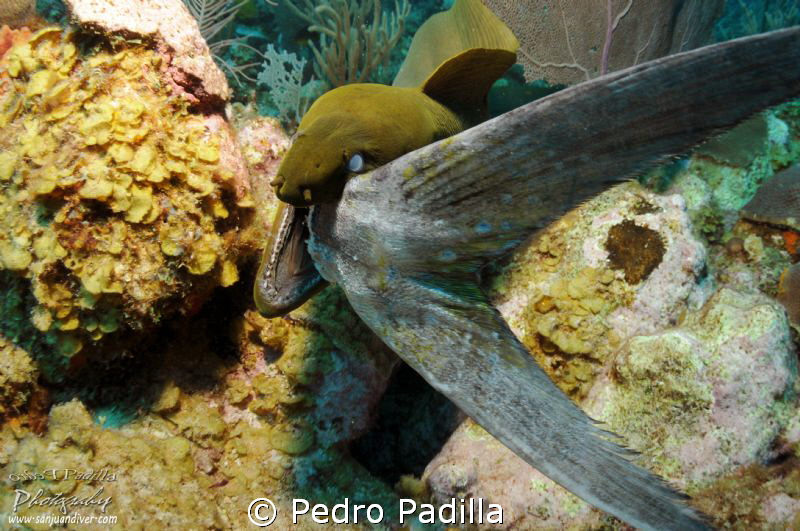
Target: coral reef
{"points": [[282, 74], [789, 293], [755, 16], [684, 355], [16, 12], [213, 17], [118, 200], [568, 42], [474, 464], [577, 292], [356, 37], [232, 405], [272, 420], [634, 249], [186, 57], [125, 205], [263, 143], [740, 145], [777, 201], [698, 401], [689, 360], [708, 396], [17, 379], [726, 186], [9, 38]]}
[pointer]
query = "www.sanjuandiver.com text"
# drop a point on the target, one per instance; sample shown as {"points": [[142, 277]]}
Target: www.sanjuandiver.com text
{"points": [[51, 520], [61, 497]]}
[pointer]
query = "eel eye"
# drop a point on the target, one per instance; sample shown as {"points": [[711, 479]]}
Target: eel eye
{"points": [[356, 163]]}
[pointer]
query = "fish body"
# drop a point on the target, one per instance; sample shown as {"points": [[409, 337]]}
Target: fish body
{"points": [[406, 241], [406, 244], [377, 123]]}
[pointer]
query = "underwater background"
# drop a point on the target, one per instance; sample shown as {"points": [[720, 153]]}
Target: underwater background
{"points": [[135, 163]]}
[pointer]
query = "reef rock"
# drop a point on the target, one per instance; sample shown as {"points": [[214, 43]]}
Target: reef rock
{"points": [[707, 397], [263, 142], [120, 205], [698, 400], [777, 201], [16, 12], [623, 264], [474, 464], [17, 379], [186, 56], [195, 436]]}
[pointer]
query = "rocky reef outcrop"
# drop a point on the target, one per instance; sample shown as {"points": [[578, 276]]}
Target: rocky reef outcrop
{"points": [[133, 205]]}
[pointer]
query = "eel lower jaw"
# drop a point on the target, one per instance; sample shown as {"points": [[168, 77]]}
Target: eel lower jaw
{"points": [[287, 276]]}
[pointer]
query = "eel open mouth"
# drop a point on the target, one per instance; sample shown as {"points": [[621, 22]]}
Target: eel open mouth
{"points": [[287, 276]]}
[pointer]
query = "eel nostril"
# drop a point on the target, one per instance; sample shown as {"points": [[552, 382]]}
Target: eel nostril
{"points": [[277, 181]]}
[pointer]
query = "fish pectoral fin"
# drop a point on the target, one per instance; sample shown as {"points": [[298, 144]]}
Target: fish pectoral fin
{"points": [[489, 186], [463, 348]]}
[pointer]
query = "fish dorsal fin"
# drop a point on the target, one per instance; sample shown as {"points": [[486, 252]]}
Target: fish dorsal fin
{"points": [[457, 55], [462, 82]]}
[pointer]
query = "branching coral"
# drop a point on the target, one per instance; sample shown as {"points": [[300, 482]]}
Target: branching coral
{"points": [[356, 36], [282, 75], [213, 16]]}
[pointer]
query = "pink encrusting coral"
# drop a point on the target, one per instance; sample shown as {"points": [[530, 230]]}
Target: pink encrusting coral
{"points": [[187, 62], [707, 397], [263, 142], [696, 377], [474, 464]]}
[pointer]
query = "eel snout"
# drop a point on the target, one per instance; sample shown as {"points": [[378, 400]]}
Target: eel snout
{"points": [[287, 276]]}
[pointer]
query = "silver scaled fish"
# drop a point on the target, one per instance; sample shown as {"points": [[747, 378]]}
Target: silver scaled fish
{"points": [[406, 241]]}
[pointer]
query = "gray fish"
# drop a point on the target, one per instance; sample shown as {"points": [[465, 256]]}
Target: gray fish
{"points": [[407, 241]]}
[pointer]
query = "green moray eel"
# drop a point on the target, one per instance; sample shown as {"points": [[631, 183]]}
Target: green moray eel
{"points": [[406, 243], [375, 122], [440, 90]]}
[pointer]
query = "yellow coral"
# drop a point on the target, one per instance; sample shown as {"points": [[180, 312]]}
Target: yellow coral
{"points": [[203, 255], [109, 175], [8, 162]]}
